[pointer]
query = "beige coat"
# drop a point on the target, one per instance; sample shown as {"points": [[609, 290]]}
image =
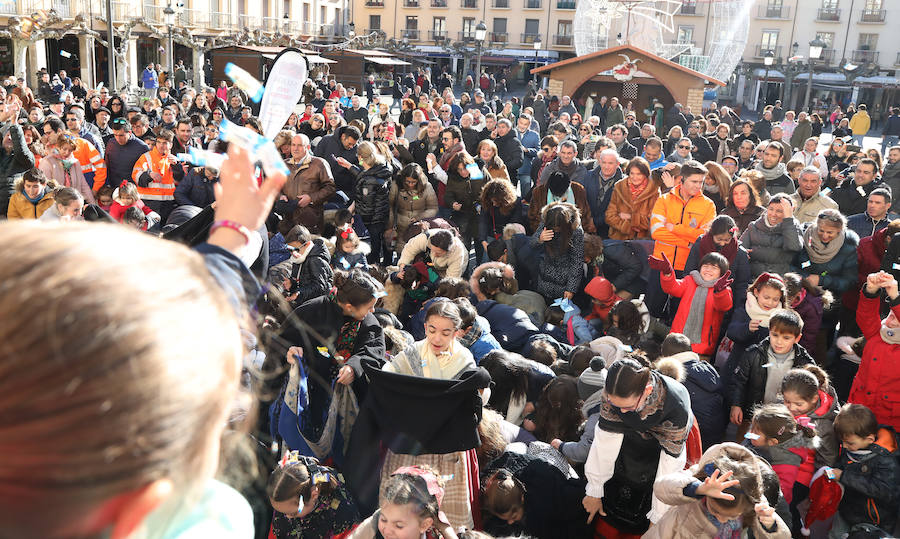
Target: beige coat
{"points": [[686, 518], [807, 211]]}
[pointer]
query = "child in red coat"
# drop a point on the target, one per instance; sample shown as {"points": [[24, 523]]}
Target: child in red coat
{"points": [[705, 298], [126, 197], [877, 383]]}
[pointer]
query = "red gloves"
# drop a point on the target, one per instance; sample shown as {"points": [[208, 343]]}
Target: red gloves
{"points": [[723, 282], [661, 265]]}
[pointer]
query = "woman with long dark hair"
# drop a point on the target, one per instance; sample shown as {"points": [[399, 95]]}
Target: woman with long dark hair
{"points": [[499, 207], [562, 239]]}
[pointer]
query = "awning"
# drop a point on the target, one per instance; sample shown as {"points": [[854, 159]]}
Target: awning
{"points": [[312, 58], [879, 81], [385, 61]]}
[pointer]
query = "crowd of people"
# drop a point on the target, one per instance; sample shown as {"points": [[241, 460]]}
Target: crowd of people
{"points": [[475, 317]]}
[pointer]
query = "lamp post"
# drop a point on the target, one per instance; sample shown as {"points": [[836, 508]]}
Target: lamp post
{"points": [[480, 33], [537, 47], [169, 15], [768, 60], [815, 52], [352, 32]]}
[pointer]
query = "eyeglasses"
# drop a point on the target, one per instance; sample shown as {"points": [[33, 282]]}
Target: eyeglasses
{"points": [[119, 121], [71, 119], [684, 147], [546, 148]]}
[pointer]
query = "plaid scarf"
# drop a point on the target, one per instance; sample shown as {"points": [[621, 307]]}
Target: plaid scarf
{"points": [[729, 530], [346, 339]]}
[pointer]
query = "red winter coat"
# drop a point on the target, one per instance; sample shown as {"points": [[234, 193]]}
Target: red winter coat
{"points": [[823, 417], [868, 257], [877, 383], [717, 304]]}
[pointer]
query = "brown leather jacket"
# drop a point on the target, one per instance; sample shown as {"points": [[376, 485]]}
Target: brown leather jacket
{"points": [[310, 177]]}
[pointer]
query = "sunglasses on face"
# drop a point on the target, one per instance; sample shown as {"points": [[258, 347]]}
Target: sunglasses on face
{"points": [[546, 148], [684, 147]]}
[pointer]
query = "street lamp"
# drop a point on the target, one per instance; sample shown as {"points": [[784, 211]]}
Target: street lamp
{"points": [[480, 33], [768, 60], [169, 15], [537, 47], [352, 32], [287, 24], [816, 47]]}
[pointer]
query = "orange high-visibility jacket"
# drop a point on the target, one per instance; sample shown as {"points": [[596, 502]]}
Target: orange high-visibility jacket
{"points": [[92, 164], [148, 188], [690, 219]]}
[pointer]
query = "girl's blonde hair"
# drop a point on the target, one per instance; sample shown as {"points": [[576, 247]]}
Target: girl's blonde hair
{"points": [[128, 189], [136, 407], [368, 154]]}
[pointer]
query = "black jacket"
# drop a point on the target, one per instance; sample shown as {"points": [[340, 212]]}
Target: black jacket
{"points": [[373, 188], [747, 386], [361, 114], [870, 488], [552, 501], [471, 138], [120, 159], [509, 149], [315, 276], [330, 147], [195, 189], [392, 415], [627, 151], [12, 164], [704, 151], [849, 200]]}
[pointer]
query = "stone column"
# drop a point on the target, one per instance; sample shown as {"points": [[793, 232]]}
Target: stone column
{"points": [[87, 60], [199, 59]]}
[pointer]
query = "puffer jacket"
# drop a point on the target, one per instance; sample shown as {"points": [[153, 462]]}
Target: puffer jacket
{"points": [[640, 208], [739, 266], [510, 326], [810, 311], [838, 274], [689, 217], [714, 309], [22, 208], [786, 458], [877, 383], [372, 194], [748, 381], [12, 163], [510, 151], [407, 207], [870, 486], [826, 452], [771, 249], [315, 276], [686, 519], [704, 383], [851, 198]]}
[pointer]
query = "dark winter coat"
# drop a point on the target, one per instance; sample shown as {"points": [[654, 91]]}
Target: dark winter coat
{"points": [[870, 488], [772, 249], [810, 311], [373, 187], [195, 190], [748, 381], [838, 274], [552, 501], [120, 160], [707, 391], [743, 219], [493, 220], [12, 163], [510, 326], [315, 276], [849, 198], [560, 272], [599, 192], [330, 147], [509, 149]]}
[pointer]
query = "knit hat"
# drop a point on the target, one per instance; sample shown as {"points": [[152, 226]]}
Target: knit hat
{"points": [[592, 379], [609, 348]]}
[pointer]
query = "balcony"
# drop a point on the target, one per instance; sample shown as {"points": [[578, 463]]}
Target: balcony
{"points": [[829, 14], [438, 3], [220, 20], [875, 16], [326, 30], [865, 57], [467, 36], [192, 17], [774, 12], [152, 12], [249, 22], [468, 4], [828, 56], [498, 37], [500, 4], [563, 40], [761, 51], [529, 38], [565, 4], [272, 24], [532, 4], [437, 35], [410, 3], [374, 3], [411, 34]]}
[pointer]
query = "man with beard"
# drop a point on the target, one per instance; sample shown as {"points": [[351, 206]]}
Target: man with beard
{"points": [[774, 171]]}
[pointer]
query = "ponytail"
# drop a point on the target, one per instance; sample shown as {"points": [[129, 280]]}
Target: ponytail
{"points": [[627, 377]]}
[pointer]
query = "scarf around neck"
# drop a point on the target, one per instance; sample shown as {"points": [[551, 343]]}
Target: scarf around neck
{"points": [[771, 173], [707, 245], [568, 196], [756, 312], [890, 335], [38, 198], [448, 155], [732, 529], [820, 252], [638, 189], [693, 326]]}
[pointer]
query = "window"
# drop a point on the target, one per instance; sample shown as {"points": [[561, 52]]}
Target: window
{"points": [[827, 38], [829, 4], [287, 7], [872, 5], [685, 34], [306, 13], [412, 22], [438, 27], [374, 22], [242, 7], [769, 40], [774, 9], [468, 28], [868, 42], [531, 26], [689, 7], [499, 25]]}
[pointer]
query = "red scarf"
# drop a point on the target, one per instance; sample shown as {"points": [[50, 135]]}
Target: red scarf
{"points": [[707, 245], [638, 189]]}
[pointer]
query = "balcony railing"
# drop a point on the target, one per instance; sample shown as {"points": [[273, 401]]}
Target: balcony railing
{"points": [[529, 38], [152, 12], [500, 4], [872, 15], [370, 30], [498, 37], [468, 4], [761, 51], [271, 24], [774, 12], [532, 4], [563, 40], [411, 34], [374, 3], [438, 3], [865, 57], [220, 20], [410, 3], [827, 56], [248, 21], [565, 4], [467, 36], [829, 14], [437, 35]]}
